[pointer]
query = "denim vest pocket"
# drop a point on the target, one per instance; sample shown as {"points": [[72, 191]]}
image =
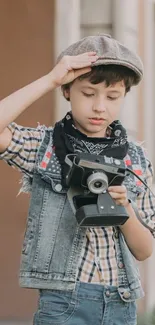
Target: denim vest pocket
{"points": [[48, 229], [54, 180], [55, 183], [28, 237]]}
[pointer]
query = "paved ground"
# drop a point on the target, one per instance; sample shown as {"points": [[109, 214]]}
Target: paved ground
{"points": [[15, 323]]}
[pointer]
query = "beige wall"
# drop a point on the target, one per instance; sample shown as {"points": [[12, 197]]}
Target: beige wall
{"points": [[26, 38]]}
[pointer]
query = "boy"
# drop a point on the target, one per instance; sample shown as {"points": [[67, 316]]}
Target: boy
{"points": [[84, 275]]}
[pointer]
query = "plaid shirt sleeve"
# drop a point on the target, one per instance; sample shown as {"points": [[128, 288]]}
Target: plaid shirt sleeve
{"points": [[146, 201], [21, 153]]}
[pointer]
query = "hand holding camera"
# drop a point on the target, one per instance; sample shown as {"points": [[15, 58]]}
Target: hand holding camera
{"points": [[96, 193], [119, 194]]}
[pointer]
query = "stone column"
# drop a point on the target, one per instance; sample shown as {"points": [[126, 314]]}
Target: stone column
{"points": [[125, 26], [96, 19], [149, 79], [67, 31], [147, 98]]}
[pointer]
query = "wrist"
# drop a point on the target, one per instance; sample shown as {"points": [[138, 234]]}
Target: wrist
{"points": [[51, 82]]}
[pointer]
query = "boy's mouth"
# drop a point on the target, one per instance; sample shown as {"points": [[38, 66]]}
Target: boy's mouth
{"points": [[96, 120]]}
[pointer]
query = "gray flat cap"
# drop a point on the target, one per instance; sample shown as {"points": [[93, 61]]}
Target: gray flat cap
{"points": [[109, 50]]}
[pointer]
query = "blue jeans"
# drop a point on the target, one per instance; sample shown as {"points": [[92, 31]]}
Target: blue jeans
{"points": [[89, 304]]}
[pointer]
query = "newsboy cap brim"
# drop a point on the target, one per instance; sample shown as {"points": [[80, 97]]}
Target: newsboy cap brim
{"points": [[109, 51]]}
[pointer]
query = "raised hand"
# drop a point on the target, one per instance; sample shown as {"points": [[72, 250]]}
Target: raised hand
{"points": [[71, 67]]}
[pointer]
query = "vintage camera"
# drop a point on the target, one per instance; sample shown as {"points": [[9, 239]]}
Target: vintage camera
{"points": [[88, 178]]}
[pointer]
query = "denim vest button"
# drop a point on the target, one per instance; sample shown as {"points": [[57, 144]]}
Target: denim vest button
{"points": [[126, 294], [58, 187], [120, 265], [107, 293]]}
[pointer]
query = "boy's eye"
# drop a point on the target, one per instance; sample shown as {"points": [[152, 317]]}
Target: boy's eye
{"points": [[87, 95], [112, 98]]}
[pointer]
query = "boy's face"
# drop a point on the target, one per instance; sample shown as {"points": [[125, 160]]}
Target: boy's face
{"points": [[94, 107]]}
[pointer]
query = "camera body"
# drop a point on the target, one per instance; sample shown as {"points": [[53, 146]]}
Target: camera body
{"points": [[88, 177], [95, 173]]}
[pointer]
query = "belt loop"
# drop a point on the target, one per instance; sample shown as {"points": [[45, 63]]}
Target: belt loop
{"points": [[75, 292]]}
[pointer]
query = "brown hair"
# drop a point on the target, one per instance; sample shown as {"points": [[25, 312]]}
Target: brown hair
{"points": [[110, 74]]}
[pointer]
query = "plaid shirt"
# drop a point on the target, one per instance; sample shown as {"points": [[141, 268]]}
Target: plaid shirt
{"points": [[98, 260]]}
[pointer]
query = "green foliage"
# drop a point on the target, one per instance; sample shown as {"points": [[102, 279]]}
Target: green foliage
{"points": [[147, 318]]}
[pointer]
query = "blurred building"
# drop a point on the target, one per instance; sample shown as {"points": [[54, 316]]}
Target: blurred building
{"points": [[32, 34]]}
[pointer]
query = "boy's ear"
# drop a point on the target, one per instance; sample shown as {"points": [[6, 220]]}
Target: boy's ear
{"points": [[66, 94]]}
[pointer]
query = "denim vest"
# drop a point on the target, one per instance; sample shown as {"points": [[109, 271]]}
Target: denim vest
{"points": [[53, 240]]}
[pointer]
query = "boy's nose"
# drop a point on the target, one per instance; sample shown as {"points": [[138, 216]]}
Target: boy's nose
{"points": [[99, 106]]}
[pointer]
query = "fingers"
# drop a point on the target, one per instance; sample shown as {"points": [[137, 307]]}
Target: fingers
{"points": [[90, 53], [119, 194], [119, 189], [79, 61], [71, 67], [123, 202], [83, 60], [81, 71]]}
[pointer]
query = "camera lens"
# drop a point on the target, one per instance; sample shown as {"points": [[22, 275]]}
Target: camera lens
{"points": [[97, 182]]}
